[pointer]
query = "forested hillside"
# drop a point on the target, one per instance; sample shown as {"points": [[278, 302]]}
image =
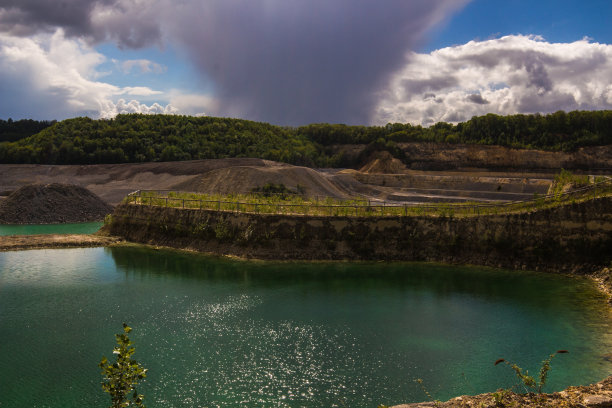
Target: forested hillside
{"points": [[141, 138], [559, 131], [12, 130]]}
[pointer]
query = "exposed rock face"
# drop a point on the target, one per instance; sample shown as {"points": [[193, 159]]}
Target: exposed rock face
{"points": [[445, 156], [442, 156], [570, 238], [52, 203]]}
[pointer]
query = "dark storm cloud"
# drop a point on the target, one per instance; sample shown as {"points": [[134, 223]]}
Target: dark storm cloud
{"points": [[284, 61], [293, 62], [25, 17], [129, 24]]}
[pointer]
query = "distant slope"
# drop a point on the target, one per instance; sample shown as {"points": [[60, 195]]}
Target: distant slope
{"points": [[135, 138], [242, 179], [112, 182]]}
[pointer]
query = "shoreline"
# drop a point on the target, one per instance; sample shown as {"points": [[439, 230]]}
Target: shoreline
{"points": [[602, 277], [597, 395], [47, 223], [54, 241]]}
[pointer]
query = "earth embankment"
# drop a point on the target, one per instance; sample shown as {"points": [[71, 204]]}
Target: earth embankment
{"points": [[242, 179], [112, 182], [52, 203], [575, 237]]}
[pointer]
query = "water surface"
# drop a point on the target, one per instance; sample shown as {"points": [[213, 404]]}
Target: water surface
{"points": [[221, 333], [31, 229]]}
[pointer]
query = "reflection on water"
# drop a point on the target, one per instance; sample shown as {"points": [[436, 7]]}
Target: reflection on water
{"points": [[440, 280], [216, 332]]}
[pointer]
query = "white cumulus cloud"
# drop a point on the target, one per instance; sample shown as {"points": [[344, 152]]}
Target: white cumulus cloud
{"points": [[110, 109], [512, 74], [51, 76]]}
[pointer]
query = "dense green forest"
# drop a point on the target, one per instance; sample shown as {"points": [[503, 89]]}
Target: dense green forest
{"points": [[141, 138], [557, 131], [12, 130]]}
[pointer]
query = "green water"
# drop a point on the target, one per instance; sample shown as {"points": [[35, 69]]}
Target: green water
{"points": [[31, 229], [221, 333]]}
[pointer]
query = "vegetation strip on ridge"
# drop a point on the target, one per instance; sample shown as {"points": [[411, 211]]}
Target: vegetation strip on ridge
{"points": [[138, 138]]}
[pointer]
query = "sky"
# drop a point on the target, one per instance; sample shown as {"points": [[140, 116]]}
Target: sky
{"points": [[294, 62]]}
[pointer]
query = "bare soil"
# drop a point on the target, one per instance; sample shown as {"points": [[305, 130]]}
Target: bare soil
{"points": [[52, 203], [242, 179], [383, 162], [113, 182], [432, 172]]}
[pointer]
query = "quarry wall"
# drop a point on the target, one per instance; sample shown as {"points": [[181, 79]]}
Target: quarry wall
{"points": [[574, 238]]}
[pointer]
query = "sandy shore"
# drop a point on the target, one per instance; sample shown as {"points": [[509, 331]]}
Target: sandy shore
{"points": [[22, 242]]}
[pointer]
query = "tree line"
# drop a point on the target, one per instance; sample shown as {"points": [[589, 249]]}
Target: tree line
{"points": [[144, 138], [559, 131], [13, 130]]}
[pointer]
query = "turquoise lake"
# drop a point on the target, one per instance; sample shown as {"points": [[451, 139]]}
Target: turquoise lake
{"points": [[223, 333], [31, 229]]}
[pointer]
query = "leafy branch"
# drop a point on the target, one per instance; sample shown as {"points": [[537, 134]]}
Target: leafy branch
{"points": [[528, 380], [122, 376]]}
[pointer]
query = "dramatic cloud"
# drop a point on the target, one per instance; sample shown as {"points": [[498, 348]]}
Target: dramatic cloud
{"points": [[296, 62], [52, 77], [283, 61], [512, 74], [132, 23], [289, 62], [28, 17]]}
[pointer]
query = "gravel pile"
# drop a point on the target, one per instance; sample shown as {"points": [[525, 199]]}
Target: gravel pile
{"points": [[52, 203], [383, 162]]}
